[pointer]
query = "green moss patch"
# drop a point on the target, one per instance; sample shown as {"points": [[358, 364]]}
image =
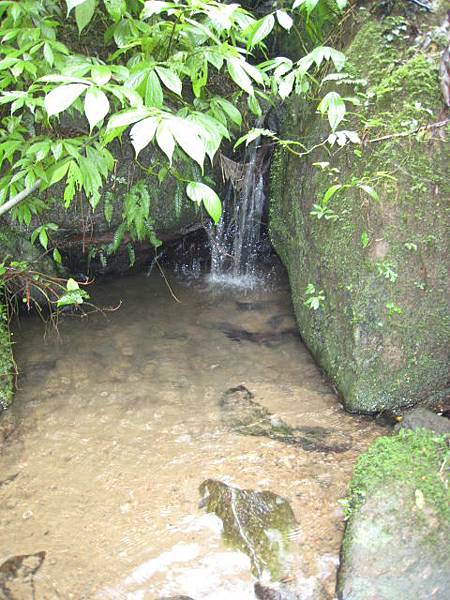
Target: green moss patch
{"points": [[418, 460]]}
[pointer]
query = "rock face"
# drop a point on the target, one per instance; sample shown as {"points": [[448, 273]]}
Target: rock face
{"points": [[396, 541], [382, 331], [81, 229]]}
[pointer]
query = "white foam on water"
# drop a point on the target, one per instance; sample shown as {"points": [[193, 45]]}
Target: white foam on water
{"points": [[179, 553], [241, 282]]}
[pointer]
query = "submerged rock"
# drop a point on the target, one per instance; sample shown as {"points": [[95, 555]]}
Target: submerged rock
{"points": [[396, 540], [16, 576], [268, 338], [242, 414], [260, 524]]}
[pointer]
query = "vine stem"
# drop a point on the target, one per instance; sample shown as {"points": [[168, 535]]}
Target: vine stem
{"points": [[408, 133]]}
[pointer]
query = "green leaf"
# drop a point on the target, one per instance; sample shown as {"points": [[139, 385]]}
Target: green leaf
{"points": [[238, 74], [252, 135], [200, 192], [101, 74], [330, 193], [48, 54], [254, 106], [187, 136], [84, 13], [230, 110], [96, 106], [57, 172], [142, 133], [57, 256], [170, 79], [43, 238], [153, 91], [261, 29], [364, 239], [334, 105], [309, 5], [116, 8], [73, 3], [72, 285], [154, 7], [370, 191], [60, 98], [165, 140], [284, 19], [286, 85], [127, 117]]}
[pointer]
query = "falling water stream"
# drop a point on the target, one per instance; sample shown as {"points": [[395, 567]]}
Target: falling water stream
{"points": [[235, 240], [119, 419]]}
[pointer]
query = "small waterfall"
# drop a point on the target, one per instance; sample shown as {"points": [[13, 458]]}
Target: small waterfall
{"points": [[234, 241]]}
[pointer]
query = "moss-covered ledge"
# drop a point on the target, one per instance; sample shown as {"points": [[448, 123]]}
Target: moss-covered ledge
{"points": [[395, 543], [383, 330], [6, 360]]}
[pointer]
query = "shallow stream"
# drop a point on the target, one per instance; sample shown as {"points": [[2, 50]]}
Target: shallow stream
{"points": [[119, 420]]}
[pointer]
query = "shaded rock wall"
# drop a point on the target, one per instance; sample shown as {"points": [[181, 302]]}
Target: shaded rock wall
{"points": [[79, 227], [382, 342]]}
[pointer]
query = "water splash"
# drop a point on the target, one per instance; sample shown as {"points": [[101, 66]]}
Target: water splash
{"points": [[236, 239]]}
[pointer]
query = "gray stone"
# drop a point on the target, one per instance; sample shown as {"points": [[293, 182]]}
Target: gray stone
{"points": [[395, 549], [426, 419]]}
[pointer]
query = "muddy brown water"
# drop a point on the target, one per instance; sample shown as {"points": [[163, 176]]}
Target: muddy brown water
{"points": [[117, 422]]}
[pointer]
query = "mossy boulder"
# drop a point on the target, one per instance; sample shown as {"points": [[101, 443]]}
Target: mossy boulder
{"points": [[396, 539], [382, 331]]}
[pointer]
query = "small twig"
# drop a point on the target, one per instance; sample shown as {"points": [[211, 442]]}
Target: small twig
{"points": [[167, 283], [408, 133]]}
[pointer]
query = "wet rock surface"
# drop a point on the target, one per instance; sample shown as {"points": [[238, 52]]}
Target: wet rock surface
{"points": [[394, 553], [426, 419], [16, 576], [242, 414], [260, 524], [263, 526]]}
